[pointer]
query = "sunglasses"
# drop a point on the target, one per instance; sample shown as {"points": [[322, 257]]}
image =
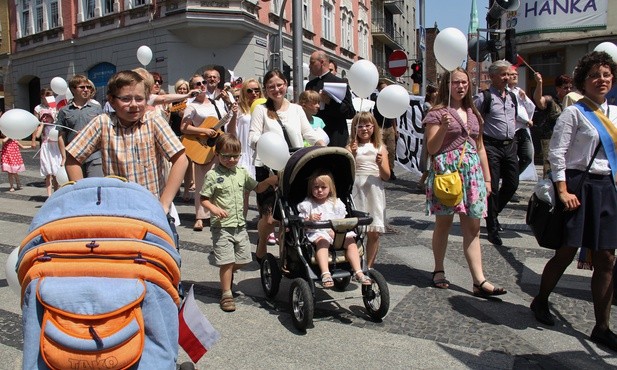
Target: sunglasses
{"points": [[253, 91], [231, 156], [84, 87], [158, 82], [198, 83]]}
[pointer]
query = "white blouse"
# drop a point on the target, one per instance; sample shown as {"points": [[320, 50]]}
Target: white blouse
{"points": [[574, 141], [296, 124]]}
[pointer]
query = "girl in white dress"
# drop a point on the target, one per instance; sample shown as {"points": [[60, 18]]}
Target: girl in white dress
{"points": [[322, 204], [50, 155], [371, 172]]}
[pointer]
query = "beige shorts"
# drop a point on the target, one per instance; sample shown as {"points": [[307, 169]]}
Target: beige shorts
{"points": [[231, 245]]}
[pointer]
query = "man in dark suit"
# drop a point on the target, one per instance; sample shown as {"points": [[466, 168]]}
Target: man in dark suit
{"points": [[334, 115]]}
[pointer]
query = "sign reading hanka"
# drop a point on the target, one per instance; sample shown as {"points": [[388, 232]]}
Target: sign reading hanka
{"points": [[559, 15]]}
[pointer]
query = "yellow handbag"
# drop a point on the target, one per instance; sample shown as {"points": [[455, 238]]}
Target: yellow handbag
{"points": [[448, 187]]}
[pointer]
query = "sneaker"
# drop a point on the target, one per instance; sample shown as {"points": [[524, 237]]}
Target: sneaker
{"points": [[271, 239]]}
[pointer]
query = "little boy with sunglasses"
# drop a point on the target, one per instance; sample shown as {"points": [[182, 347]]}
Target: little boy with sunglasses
{"points": [[223, 195]]}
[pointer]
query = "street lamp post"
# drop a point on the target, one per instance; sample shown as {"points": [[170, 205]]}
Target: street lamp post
{"points": [[277, 57]]}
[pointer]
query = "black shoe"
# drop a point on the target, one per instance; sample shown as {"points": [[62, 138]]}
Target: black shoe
{"points": [[498, 225], [515, 199], [494, 238], [541, 312], [605, 338]]}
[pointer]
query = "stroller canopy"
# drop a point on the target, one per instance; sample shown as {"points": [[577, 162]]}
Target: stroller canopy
{"points": [[301, 165]]}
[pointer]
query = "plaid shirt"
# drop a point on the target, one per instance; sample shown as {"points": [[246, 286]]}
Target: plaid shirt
{"points": [[136, 153]]}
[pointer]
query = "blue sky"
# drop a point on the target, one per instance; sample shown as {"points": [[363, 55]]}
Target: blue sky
{"points": [[453, 13]]}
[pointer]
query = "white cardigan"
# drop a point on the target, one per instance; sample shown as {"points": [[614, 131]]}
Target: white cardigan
{"points": [[296, 124]]}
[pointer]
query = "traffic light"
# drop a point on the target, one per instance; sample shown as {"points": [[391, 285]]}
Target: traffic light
{"points": [[416, 72], [511, 45]]}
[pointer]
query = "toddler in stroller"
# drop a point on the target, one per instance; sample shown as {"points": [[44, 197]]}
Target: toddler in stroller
{"points": [[314, 231], [323, 205]]}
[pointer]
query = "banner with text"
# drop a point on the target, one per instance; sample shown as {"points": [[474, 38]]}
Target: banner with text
{"points": [[411, 136], [558, 15]]}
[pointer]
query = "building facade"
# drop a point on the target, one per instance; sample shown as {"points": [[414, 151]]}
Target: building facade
{"points": [[553, 35], [99, 37], [393, 27]]}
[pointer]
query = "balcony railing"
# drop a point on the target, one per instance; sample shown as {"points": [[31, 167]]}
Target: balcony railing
{"points": [[394, 6], [384, 30]]}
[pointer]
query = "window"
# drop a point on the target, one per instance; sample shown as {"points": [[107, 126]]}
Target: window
{"points": [[90, 5], [108, 7], [39, 17], [346, 30], [139, 2], [25, 23], [276, 6], [54, 19], [306, 15], [363, 41], [328, 19]]}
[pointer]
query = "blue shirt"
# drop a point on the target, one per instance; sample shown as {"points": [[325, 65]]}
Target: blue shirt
{"points": [[500, 122]]}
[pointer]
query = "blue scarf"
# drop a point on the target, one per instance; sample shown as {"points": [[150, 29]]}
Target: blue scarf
{"points": [[606, 129]]}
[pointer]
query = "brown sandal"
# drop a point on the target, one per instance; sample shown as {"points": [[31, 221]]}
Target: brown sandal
{"points": [[228, 304]]}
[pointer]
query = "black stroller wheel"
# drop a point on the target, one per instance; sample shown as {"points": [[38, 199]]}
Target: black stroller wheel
{"points": [[376, 297], [270, 275], [341, 284], [302, 304]]}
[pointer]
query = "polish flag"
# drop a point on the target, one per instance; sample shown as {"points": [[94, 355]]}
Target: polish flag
{"points": [[197, 335], [60, 101]]}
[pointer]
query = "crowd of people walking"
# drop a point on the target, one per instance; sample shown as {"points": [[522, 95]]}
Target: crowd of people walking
{"points": [[204, 132]]}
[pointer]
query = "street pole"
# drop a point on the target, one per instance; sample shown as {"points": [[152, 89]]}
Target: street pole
{"points": [[423, 50], [280, 40], [478, 61], [296, 9]]}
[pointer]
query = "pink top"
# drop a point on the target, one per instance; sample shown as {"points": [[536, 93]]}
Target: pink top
{"points": [[457, 132]]}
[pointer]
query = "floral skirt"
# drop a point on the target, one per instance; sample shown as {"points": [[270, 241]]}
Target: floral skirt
{"points": [[474, 189]]}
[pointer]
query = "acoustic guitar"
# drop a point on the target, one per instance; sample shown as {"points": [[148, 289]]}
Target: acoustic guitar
{"points": [[200, 148]]}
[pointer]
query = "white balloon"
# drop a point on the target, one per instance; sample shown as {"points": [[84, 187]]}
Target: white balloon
{"points": [[144, 55], [58, 85], [305, 69], [18, 123], [363, 77], [273, 150], [609, 48], [11, 273], [61, 176], [450, 48], [53, 134], [393, 101]]}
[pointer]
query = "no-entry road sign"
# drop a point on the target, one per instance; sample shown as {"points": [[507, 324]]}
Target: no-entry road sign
{"points": [[397, 63]]}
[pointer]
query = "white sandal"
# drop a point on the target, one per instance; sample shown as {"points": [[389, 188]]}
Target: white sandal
{"points": [[362, 279]]}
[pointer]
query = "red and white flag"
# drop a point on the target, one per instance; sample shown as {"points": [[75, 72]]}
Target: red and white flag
{"points": [[197, 335]]}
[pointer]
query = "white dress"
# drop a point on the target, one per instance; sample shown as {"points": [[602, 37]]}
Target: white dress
{"points": [[243, 127], [49, 155], [368, 188], [329, 210]]}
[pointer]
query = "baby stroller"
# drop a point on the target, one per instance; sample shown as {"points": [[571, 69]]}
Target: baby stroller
{"points": [[297, 253], [100, 277]]}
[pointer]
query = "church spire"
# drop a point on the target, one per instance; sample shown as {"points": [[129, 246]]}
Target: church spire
{"points": [[473, 19]]}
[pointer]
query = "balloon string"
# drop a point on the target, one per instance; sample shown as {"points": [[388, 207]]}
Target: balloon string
{"points": [[53, 124], [449, 88]]}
